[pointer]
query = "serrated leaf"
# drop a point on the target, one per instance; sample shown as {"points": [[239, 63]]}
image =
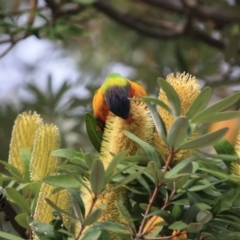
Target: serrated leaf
{"points": [[219, 106], [178, 132], [64, 181], [172, 96], [204, 140], [149, 150], [113, 227], [216, 117], [97, 176], [14, 195], [199, 103], [94, 132], [157, 119]]}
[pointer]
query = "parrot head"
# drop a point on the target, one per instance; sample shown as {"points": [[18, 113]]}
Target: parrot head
{"points": [[116, 91]]}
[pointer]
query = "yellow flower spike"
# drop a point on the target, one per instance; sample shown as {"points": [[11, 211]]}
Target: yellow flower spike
{"points": [[187, 88], [43, 211], [24, 131], [115, 141], [42, 163], [235, 166]]}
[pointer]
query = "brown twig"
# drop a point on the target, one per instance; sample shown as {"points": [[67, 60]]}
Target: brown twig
{"points": [[154, 195], [94, 199]]}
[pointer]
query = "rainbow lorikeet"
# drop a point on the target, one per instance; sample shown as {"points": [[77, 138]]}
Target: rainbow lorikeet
{"points": [[114, 96]]}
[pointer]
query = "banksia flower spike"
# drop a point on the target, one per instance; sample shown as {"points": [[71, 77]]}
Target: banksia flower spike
{"points": [[43, 211], [187, 88], [23, 134], [42, 163], [115, 141], [235, 166]]}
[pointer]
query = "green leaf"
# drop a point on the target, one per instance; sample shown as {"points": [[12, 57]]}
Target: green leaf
{"points": [[64, 181], [158, 102], [202, 187], [113, 227], [219, 106], [204, 140], [97, 175], [25, 155], [94, 132], [236, 200], [157, 119], [223, 146], [43, 230], [58, 209], [93, 217], [204, 216], [85, 2], [163, 214], [113, 164], [195, 227], [149, 150], [216, 117], [78, 201], [14, 195], [199, 103], [21, 219], [176, 212], [127, 218], [91, 235], [128, 179], [12, 170], [68, 154], [155, 172], [8, 236], [173, 172], [178, 132], [179, 225], [172, 96], [89, 159]]}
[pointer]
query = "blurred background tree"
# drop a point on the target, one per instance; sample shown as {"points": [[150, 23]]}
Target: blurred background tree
{"points": [[140, 39]]}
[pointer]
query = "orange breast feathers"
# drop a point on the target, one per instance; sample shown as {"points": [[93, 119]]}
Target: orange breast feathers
{"points": [[100, 106]]}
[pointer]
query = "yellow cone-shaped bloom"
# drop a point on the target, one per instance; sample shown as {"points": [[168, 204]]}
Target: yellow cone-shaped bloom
{"points": [[188, 88], [43, 211], [42, 163], [235, 166], [115, 141], [24, 131]]}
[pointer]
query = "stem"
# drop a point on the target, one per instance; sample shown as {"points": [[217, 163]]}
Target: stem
{"points": [[154, 195], [94, 199]]}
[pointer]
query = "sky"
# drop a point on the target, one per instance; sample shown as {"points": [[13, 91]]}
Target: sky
{"points": [[32, 60]]}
